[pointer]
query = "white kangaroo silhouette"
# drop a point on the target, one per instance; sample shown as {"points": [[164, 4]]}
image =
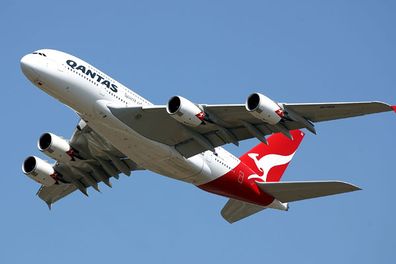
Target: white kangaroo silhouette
{"points": [[266, 163]]}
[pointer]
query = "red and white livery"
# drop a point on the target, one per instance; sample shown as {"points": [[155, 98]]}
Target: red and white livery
{"points": [[120, 131]]}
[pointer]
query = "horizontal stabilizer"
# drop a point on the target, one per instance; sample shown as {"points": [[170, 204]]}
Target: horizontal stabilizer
{"points": [[295, 191], [235, 210]]}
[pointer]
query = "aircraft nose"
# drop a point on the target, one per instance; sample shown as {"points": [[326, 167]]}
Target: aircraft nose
{"points": [[27, 67]]}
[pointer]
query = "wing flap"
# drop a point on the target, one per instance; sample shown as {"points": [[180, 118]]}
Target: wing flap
{"points": [[235, 210], [296, 191]]}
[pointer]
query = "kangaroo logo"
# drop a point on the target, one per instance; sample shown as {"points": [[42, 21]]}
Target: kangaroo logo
{"points": [[266, 163]]}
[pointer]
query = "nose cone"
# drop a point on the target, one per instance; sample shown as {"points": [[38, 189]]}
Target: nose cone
{"points": [[27, 66]]}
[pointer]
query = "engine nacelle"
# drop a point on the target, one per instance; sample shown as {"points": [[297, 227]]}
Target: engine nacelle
{"points": [[56, 147], [185, 111], [263, 108], [39, 171]]}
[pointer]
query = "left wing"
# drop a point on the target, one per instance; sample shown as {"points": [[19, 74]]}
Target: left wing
{"points": [[224, 124], [94, 160]]}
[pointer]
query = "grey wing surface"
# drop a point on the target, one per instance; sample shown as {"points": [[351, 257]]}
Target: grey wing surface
{"points": [[319, 112], [96, 161], [232, 123]]}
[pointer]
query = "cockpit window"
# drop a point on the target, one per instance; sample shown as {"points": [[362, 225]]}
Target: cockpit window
{"points": [[39, 53]]}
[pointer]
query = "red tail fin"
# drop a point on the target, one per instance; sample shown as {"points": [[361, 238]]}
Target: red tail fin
{"points": [[270, 161]]}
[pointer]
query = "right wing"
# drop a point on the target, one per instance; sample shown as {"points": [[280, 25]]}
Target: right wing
{"points": [[97, 161]]}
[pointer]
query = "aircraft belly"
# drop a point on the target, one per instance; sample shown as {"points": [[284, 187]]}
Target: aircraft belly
{"points": [[154, 156], [188, 170], [136, 147]]}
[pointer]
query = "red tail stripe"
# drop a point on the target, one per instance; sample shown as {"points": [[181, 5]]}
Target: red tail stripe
{"points": [[278, 144]]}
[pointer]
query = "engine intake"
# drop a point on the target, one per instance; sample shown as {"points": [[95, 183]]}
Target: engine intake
{"points": [[39, 171], [263, 108], [174, 105], [185, 112], [56, 147]]}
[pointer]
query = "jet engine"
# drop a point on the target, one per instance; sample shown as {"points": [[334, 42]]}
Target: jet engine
{"points": [[263, 108], [39, 171], [185, 111], [56, 147]]}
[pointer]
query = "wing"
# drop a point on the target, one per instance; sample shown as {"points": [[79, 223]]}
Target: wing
{"points": [[332, 111], [296, 191], [96, 161], [233, 123]]}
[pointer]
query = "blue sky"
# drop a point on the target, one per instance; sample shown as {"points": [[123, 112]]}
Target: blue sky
{"points": [[209, 52]]}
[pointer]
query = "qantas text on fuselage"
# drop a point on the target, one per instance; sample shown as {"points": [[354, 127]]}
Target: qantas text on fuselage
{"points": [[120, 131], [92, 74]]}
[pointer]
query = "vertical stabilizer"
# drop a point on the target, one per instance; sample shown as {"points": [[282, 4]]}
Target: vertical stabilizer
{"points": [[270, 161]]}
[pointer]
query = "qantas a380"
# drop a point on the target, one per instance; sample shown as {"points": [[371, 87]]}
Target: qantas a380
{"points": [[120, 132]]}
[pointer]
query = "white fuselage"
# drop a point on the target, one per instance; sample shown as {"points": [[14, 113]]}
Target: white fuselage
{"points": [[88, 91]]}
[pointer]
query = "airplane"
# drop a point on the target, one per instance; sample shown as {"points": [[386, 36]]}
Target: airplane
{"points": [[120, 131]]}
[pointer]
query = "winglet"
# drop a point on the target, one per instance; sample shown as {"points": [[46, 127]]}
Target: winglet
{"points": [[394, 108]]}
